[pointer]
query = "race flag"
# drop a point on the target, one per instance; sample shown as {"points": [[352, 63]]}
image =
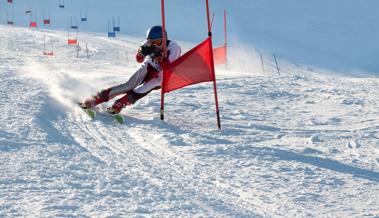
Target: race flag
{"points": [[191, 68], [219, 55]]}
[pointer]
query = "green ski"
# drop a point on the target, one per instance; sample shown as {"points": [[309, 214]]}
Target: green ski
{"points": [[119, 119], [91, 113]]}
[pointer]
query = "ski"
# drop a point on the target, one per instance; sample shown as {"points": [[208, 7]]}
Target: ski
{"points": [[119, 119], [91, 113]]}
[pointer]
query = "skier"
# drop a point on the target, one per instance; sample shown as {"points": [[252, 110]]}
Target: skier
{"points": [[149, 75]]}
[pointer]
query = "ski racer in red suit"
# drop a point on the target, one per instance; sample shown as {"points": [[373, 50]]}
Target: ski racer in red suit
{"points": [[147, 78]]}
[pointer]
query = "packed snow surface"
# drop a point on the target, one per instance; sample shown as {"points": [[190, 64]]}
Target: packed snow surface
{"points": [[301, 142]]}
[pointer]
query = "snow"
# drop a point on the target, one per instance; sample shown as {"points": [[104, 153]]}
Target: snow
{"points": [[300, 144]]}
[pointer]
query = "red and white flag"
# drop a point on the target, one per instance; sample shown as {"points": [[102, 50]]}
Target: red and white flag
{"points": [[193, 67]]}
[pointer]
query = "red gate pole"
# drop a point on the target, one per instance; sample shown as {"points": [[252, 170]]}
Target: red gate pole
{"points": [[77, 51], [52, 50], [30, 19], [212, 19], [127, 59], [77, 31], [44, 36], [164, 59], [87, 51], [212, 66]]}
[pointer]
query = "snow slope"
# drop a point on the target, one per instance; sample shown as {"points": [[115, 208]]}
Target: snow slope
{"points": [[300, 144]]}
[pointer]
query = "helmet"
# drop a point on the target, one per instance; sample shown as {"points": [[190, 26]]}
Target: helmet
{"points": [[155, 32]]}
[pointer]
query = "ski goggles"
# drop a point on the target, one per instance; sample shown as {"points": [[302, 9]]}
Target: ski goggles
{"points": [[157, 42]]}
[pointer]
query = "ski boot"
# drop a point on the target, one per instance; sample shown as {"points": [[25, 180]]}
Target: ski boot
{"points": [[87, 110], [114, 113]]}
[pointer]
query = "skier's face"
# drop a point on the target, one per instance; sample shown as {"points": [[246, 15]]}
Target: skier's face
{"points": [[157, 42]]}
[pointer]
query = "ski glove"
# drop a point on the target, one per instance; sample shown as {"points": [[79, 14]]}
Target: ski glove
{"points": [[149, 50]]}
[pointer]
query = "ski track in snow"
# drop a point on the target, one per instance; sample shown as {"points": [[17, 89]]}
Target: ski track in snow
{"points": [[301, 144]]}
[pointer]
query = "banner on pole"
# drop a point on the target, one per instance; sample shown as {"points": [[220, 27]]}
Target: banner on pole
{"points": [[26, 8], [8, 21], [61, 5], [82, 17], [191, 68], [219, 55], [46, 21], [72, 41], [33, 23]]}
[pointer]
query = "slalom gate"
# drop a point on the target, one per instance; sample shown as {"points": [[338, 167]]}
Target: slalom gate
{"points": [[116, 28], [26, 8], [111, 34], [44, 43], [127, 59], [33, 23], [77, 50], [72, 41], [46, 21], [61, 4], [8, 21], [83, 18], [199, 59], [72, 26]]}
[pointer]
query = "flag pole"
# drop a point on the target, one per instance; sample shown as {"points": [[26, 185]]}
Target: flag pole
{"points": [[44, 36], [212, 19], [31, 16], [52, 50], [164, 59], [212, 65]]}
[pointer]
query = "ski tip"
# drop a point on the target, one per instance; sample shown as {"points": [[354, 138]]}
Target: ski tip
{"points": [[91, 113], [119, 119]]}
